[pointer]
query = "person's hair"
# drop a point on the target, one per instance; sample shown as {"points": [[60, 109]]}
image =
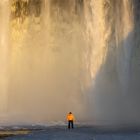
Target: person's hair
{"points": [[70, 112]]}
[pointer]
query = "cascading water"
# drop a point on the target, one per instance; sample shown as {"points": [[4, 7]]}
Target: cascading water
{"points": [[4, 55], [45, 60], [110, 32], [69, 55]]}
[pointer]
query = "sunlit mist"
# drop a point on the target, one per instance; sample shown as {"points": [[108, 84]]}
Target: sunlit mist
{"points": [[58, 56]]}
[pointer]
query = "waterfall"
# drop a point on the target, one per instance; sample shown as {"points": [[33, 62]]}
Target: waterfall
{"points": [[4, 57], [110, 33], [69, 55]]}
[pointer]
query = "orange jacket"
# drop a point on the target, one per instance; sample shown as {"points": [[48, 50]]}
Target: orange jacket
{"points": [[70, 117]]}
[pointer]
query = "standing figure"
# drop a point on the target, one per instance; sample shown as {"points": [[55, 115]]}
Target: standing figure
{"points": [[70, 119]]}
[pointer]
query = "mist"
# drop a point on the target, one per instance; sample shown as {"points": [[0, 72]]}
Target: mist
{"points": [[58, 56]]}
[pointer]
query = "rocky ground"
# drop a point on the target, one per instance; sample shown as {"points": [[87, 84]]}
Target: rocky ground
{"points": [[78, 133]]}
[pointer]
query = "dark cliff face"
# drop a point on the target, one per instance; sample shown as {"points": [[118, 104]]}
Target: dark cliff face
{"points": [[21, 8], [137, 23]]}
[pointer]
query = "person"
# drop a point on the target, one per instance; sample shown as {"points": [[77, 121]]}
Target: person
{"points": [[70, 119]]}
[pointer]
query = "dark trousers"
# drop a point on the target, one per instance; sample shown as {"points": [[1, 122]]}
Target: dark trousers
{"points": [[70, 124]]}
